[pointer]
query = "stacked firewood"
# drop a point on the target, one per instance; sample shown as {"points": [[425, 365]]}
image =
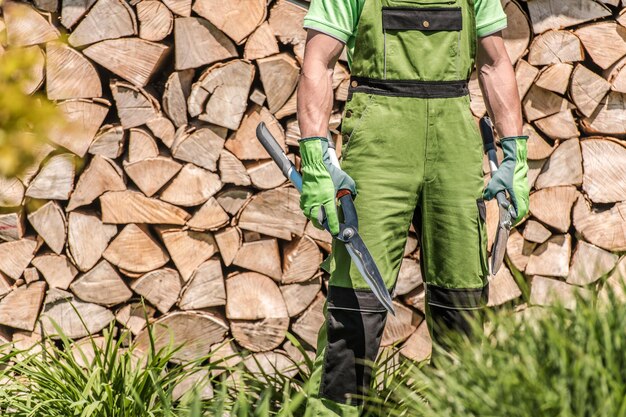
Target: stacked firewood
{"points": [[158, 204]]}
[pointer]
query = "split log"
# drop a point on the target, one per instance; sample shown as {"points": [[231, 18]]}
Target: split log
{"points": [[12, 192], [135, 106], [12, 226], [37, 66], [525, 75], [537, 146], [555, 46], [202, 147], [590, 263], [608, 118], [57, 270], [411, 245], [540, 103], [73, 10], [307, 326], [546, 291], [109, 142], [236, 18], [409, 278], [20, 308], [518, 250], [99, 26], [553, 206], [265, 175], [69, 74], [25, 26], [210, 216], [180, 7], [252, 300], [134, 316], [205, 288], [287, 21], [224, 357], [400, 326], [49, 222], [477, 101], [101, 175], [536, 232], [260, 44], [155, 20], [260, 256], [84, 350], [228, 241], [102, 285], [614, 286], [257, 97], [141, 145], [587, 89], [274, 213], [27, 341], [604, 167], [162, 128], [300, 295], [551, 258], [503, 288], [561, 125], [517, 34], [135, 250], [55, 180], [31, 275], [267, 365], [220, 96], [188, 249], [616, 76], [134, 59], [244, 144], [199, 43], [555, 77], [177, 90], [191, 186], [232, 199], [564, 166], [151, 174], [605, 42], [603, 228], [555, 14], [133, 207], [16, 256], [197, 382], [47, 5], [231, 170], [301, 260], [193, 331], [419, 345], [84, 118], [5, 285], [160, 288], [321, 237], [279, 75], [416, 299], [87, 239]]}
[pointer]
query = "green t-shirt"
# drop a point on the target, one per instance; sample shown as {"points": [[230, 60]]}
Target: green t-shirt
{"points": [[339, 18]]}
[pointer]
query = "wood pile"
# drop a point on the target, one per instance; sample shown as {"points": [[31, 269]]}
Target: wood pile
{"points": [[159, 204]]}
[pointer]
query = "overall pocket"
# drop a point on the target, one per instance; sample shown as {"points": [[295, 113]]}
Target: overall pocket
{"points": [[354, 114]]}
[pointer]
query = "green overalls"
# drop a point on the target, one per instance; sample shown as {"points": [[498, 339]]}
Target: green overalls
{"points": [[415, 153]]}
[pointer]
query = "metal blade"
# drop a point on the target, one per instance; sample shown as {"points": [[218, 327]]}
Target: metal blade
{"points": [[367, 267], [502, 236]]}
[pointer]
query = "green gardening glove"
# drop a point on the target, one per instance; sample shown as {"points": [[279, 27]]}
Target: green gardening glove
{"points": [[320, 182], [512, 175]]}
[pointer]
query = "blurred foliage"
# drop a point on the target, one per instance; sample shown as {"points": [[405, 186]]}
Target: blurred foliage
{"points": [[25, 120]]}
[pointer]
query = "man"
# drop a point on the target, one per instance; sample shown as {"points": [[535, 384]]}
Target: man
{"points": [[411, 153]]}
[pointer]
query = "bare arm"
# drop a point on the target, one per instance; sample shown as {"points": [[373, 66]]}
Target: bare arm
{"points": [[315, 90], [498, 84]]}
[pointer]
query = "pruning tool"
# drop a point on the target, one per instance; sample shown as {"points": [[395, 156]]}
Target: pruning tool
{"points": [[348, 230], [506, 209]]}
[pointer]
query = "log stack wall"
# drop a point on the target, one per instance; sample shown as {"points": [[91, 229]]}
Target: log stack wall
{"points": [[159, 203]]}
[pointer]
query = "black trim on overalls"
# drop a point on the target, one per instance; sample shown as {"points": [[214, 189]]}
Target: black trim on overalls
{"points": [[408, 88], [423, 19]]}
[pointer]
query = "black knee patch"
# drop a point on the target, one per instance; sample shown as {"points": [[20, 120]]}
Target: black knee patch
{"points": [[451, 310], [355, 323]]}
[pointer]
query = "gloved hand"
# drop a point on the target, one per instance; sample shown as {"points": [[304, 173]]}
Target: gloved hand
{"points": [[512, 175], [320, 182]]}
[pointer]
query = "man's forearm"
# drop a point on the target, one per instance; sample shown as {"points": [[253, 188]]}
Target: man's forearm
{"points": [[315, 89], [499, 87]]}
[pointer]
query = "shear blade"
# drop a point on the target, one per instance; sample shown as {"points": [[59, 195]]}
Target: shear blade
{"points": [[367, 267], [499, 248]]}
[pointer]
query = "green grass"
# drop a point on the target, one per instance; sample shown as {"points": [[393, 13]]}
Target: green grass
{"points": [[543, 362]]}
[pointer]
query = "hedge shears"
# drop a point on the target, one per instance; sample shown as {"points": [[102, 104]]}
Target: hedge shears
{"points": [[348, 230]]}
